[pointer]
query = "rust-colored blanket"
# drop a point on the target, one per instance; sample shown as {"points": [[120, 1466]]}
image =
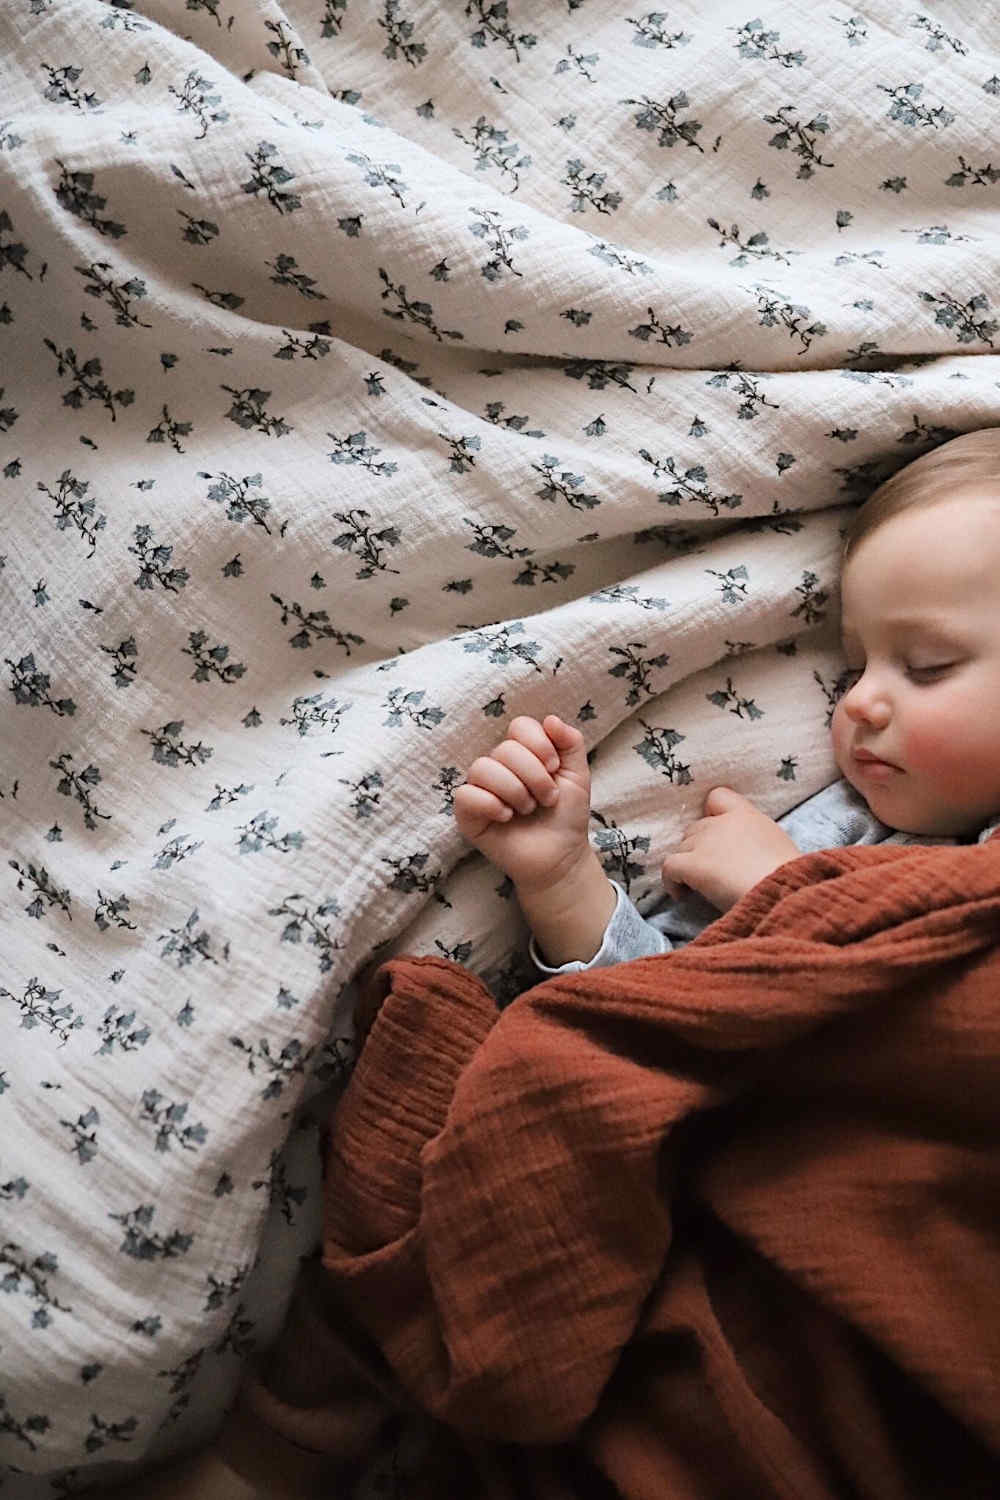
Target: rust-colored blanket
{"points": [[722, 1224]]}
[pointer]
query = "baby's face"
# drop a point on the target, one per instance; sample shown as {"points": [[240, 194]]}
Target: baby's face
{"points": [[921, 627]]}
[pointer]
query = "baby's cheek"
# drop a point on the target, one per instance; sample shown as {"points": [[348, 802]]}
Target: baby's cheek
{"points": [[840, 734], [934, 743]]}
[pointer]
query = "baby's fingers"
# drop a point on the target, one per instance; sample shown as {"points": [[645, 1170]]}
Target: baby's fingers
{"points": [[476, 809], [529, 733], [515, 775], [671, 874]]}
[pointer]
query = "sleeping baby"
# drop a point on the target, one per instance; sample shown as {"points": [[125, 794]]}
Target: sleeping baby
{"points": [[916, 735], [917, 738]]}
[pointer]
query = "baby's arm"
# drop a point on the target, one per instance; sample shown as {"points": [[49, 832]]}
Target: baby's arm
{"points": [[569, 919], [526, 806]]}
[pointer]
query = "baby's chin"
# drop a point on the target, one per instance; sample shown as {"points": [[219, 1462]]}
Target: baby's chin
{"points": [[937, 824], [893, 803]]}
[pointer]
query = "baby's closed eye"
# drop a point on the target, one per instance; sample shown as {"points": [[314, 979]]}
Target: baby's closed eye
{"points": [[929, 674], [917, 672]]}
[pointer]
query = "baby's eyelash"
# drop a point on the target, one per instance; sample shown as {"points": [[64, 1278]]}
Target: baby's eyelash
{"points": [[927, 674], [916, 674]]}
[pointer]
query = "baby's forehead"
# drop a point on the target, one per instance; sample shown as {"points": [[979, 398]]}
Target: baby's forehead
{"points": [[947, 533], [967, 506], [971, 505], [904, 625], [932, 561]]}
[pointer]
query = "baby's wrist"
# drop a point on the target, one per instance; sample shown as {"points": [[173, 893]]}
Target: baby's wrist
{"points": [[562, 884], [569, 915]]}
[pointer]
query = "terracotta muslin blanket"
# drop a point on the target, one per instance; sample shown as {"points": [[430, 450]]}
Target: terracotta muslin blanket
{"points": [[720, 1223]]}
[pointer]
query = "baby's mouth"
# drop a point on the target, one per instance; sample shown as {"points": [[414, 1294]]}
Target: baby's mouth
{"points": [[873, 767]]}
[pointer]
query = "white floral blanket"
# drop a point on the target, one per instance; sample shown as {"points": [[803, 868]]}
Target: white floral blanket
{"points": [[373, 371]]}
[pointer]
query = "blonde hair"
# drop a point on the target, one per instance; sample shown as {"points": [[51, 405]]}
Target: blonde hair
{"points": [[965, 463]]}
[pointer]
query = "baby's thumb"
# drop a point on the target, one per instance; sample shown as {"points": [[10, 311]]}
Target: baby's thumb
{"points": [[722, 799], [570, 744]]}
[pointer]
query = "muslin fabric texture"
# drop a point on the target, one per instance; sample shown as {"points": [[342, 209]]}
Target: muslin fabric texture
{"points": [[715, 1222], [373, 371]]}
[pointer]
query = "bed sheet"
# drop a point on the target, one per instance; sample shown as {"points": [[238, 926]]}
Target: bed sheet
{"points": [[372, 371]]}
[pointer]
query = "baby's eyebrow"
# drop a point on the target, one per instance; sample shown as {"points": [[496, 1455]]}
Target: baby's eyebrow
{"points": [[932, 625]]}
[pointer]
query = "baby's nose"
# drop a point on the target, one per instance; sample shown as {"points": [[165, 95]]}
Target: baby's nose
{"points": [[866, 703]]}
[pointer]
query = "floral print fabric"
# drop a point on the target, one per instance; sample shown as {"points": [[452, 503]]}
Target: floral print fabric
{"points": [[373, 371]]}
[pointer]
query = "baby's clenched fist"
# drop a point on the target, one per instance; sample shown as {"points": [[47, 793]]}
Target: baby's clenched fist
{"points": [[514, 777], [526, 804]]}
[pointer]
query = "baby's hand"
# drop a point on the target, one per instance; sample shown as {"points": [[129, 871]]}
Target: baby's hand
{"points": [[728, 851], [526, 805]]}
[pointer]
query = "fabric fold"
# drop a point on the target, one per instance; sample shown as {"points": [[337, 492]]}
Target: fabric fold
{"points": [[696, 1218]]}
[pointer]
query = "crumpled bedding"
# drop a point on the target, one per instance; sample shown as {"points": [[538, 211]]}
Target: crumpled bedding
{"points": [[371, 373], [712, 1222]]}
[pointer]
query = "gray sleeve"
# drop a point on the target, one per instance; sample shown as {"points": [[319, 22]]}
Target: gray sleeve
{"points": [[831, 819], [627, 935], [835, 816]]}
